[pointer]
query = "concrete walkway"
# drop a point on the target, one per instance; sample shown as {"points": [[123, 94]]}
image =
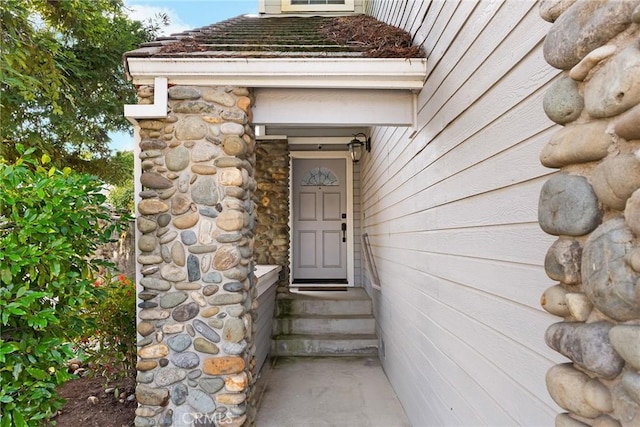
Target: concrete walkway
{"points": [[327, 391]]}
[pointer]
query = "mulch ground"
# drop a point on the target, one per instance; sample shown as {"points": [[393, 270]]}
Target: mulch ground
{"points": [[107, 411]]}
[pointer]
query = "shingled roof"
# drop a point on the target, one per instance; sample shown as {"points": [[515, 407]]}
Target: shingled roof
{"points": [[356, 36]]}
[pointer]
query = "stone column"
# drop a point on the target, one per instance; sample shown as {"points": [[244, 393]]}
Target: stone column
{"points": [[272, 200], [195, 246], [593, 206]]}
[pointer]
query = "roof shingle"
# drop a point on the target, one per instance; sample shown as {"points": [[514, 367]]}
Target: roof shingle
{"points": [[314, 36]]}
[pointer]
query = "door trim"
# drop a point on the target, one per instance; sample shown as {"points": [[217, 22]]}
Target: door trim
{"points": [[349, 190]]}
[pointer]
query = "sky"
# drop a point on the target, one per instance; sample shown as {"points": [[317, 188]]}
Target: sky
{"points": [[183, 15], [189, 14]]}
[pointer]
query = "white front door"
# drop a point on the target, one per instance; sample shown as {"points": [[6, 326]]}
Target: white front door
{"points": [[320, 234]]}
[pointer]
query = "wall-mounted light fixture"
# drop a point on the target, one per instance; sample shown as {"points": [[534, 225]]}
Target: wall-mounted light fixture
{"points": [[355, 146]]}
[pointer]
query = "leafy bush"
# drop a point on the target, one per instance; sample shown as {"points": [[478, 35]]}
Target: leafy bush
{"points": [[51, 222], [111, 346], [121, 196]]}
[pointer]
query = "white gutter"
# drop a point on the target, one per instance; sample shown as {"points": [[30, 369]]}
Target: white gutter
{"points": [[355, 73]]}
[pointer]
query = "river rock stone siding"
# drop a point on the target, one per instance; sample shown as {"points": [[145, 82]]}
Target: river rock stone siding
{"points": [[272, 200], [593, 206], [195, 245]]}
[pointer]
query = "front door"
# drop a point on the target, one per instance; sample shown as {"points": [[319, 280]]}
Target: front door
{"points": [[319, 244]]}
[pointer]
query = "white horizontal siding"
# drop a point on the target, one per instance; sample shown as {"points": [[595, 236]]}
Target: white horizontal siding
{"points": [[452, 219], [263, 331]]}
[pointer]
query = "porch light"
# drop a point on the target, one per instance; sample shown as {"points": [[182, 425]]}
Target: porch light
{"points": [[355, 146]]}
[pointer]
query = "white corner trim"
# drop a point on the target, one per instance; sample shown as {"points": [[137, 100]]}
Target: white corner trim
{"points": [[414, 125], [157, 110]]}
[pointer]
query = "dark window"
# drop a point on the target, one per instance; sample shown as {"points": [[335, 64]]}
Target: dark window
{"points": [[308, 2]]}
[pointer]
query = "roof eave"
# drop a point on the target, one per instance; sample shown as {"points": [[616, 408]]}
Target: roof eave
{"points": [[364, 73]]}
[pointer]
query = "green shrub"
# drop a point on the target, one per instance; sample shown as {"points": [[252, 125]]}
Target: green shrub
{"points": [[111, 346], [51, 222], [121, 196]]}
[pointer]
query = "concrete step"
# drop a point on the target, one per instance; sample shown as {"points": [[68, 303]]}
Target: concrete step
{"points": [[332, 324], [325, 303], [325, 345], [325, 323]]}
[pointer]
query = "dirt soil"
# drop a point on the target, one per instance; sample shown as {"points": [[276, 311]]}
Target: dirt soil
{"points": [[108, 411]]}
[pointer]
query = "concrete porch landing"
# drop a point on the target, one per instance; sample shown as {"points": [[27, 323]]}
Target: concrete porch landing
{"points": [[327, 391]]}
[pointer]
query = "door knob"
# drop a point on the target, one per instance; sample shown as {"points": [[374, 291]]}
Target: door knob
{"points": [[344, 232]]}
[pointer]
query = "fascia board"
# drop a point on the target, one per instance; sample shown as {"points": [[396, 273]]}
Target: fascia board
{"points": [[369, 73]]}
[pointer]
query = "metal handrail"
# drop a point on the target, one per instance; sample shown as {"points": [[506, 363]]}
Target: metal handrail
{"points": [[371, 264]]}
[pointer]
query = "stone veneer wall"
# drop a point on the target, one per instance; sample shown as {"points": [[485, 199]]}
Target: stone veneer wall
{"points": [[195, 247], [272, 201], [593, 205]]}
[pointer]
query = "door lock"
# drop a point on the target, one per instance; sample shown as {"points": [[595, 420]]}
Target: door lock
{"points": [[344, 232]]}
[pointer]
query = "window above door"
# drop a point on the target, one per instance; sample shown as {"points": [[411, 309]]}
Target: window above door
{"points": [[317, 5]]}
